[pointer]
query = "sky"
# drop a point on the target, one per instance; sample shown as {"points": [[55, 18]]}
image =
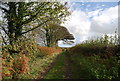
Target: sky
{"points": [[89, 20]]}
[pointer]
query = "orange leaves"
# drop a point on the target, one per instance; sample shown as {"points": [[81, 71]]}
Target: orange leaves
{"points": [[16, 65], [49, 50], [21, 64], [5, 71], [7, 64]]}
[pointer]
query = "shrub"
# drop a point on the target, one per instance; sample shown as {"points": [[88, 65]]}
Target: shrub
{"points": [[7, 63], [49, 50], [7, 69], [104, 47], [13, 65], [17, 63], [21, 64]]}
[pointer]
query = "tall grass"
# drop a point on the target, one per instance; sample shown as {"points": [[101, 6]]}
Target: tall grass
{"points": [[94, 67]]}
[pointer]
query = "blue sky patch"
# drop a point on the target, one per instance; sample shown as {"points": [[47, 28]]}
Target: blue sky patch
{"points": [[92, 6]]}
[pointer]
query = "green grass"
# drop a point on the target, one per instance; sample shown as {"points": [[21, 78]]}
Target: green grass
{"points": [[37, 66], [93, 67], [57, 71]]}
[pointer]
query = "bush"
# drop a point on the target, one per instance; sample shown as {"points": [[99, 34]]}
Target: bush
{"points": [[101, 47], [16, 58], [49, 50], [20, 65], [23, 53], [97, 59], [13, 65]]}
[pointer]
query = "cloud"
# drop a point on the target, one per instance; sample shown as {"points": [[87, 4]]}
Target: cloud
{"points": [[95, 13], [84, 25], [78, 24], [106, 22]]}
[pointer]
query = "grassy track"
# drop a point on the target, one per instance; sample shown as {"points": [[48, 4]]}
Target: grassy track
{"points": [[77, 66], [57, 71]]}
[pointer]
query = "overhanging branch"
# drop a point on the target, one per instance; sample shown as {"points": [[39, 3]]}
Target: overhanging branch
{"points": [[4, 9], [34, 16], [4, 30], [39, 24], [35, 27], [4, 40]]}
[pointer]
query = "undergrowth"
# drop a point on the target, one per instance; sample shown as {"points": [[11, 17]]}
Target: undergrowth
{"points": [[96, 59], [94, 67], [27, 59]]}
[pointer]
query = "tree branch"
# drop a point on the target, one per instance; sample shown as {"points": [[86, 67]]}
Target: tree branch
{"points": [[4, 9], [35, 27], [4, 40], [4, 30], [33, 16], [39, 24]]}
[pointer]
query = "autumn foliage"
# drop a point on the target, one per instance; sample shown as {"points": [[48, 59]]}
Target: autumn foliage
{"points": [[49, 50], [21, 62], [14, 65], [18, 64], [7, 63]]}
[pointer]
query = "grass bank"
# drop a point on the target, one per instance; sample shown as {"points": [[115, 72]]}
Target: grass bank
{"points": [[37, 66], [93, 67]]}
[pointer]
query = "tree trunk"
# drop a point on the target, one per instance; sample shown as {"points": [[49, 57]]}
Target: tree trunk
{"points": [[11, 17], [47, 38]]}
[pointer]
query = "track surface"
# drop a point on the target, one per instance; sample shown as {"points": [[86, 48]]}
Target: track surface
{"points": [[60, 68]]}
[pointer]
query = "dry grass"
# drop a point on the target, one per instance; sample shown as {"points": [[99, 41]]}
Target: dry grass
{"points": [[49, 50]]}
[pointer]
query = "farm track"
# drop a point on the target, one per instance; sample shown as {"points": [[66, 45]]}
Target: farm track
{"points": [[68, 68], [46, 69]]}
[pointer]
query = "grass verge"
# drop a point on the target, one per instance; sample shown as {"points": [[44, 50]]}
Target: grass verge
{"points": [[37, 66], [94, 67]]}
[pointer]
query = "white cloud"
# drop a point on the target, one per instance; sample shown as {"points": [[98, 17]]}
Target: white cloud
{"points": [[92, 24], [78, 24], [94, 13], [106, 22]]}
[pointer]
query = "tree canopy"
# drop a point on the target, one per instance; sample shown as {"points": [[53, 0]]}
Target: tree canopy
{"points": [[21, 19], [53, 33], [17, 16]]}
